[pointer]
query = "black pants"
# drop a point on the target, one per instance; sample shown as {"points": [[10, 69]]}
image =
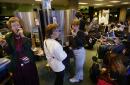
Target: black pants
{"points": [[59, 78], [26, 75]]}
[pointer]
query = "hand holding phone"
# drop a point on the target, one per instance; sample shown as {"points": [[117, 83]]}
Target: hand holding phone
{"points": [[20, 32]]}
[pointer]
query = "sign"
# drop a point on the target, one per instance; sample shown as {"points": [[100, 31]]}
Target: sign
{"points": [[46, 4]]}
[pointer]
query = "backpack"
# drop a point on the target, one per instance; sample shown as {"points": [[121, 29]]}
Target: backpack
{"points": [[94, 72]]}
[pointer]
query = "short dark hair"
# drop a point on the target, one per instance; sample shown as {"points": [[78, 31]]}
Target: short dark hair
{"points": [[49, 30]]}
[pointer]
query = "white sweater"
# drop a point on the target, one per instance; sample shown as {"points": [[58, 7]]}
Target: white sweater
{"points": [[54, 54]]}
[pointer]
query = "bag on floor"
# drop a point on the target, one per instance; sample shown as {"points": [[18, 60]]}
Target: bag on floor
{"points": [[102, 82], [94, 72]]}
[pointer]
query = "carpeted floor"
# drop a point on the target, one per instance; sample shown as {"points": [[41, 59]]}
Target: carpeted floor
{"points": [[47, 76]]}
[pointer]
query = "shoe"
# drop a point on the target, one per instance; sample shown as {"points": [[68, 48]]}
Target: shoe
{"points": [[81, 80], [74, 80]]}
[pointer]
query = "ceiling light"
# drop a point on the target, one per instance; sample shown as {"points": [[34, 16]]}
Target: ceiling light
{"points": [[97, 4], [115, 15], [115, 1], [109, 5], [99, 0], [81, 3], [41, 0], [82, 7], [125, 3], [6, 17], [38, 0]]}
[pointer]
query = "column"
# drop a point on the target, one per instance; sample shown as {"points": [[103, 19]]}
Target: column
{"points": [[91, 12], [122, 16]]}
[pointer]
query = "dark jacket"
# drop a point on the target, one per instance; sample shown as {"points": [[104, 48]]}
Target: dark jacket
{"points": [[79, 40], [11, 50]]}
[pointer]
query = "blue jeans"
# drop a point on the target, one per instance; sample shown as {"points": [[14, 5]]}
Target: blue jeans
{"points": [[80, 55]]}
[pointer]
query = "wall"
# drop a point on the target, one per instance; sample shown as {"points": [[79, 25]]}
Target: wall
{"points": [[9, 9]]}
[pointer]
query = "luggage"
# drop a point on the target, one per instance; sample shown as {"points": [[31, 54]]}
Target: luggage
{"points": [[94, 70], [102, 50], [4, 64], [102, 82], [91, 40]]}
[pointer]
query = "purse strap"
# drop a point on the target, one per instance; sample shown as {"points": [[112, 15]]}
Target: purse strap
{"points": [[48, 49]]}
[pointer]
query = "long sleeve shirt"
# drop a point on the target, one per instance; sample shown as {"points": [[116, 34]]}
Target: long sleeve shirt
{"points": [[54, 54], [79, 40]]}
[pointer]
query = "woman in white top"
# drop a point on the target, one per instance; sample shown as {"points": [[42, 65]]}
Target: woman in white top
{"points": [[54, 53]]}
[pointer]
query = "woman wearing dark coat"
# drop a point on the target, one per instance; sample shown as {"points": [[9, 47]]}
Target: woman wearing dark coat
{"points": [[23, 68]]}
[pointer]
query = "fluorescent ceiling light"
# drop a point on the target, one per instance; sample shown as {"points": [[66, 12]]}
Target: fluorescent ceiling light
{"points": [[6, 17], [109, 5], [38, 0], [41, 0], [125, 3], [98, 4], [81, 3], [99, 0], [83, 7], [115, 1]]}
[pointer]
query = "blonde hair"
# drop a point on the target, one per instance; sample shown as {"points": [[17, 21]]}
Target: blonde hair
{"points": [[15, 19], [75, 21], [11, 20], [49, 30]]}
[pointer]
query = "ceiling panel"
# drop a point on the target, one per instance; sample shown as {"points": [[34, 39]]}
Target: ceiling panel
{"points": [[62, 3], [54, 2], [17, 1], [104, 3]]}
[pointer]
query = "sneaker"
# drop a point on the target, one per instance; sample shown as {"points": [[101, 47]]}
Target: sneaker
{"points": [[74, 80]]}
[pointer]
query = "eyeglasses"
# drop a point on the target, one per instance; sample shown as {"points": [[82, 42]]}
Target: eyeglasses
{"points": [[15, 24]]}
